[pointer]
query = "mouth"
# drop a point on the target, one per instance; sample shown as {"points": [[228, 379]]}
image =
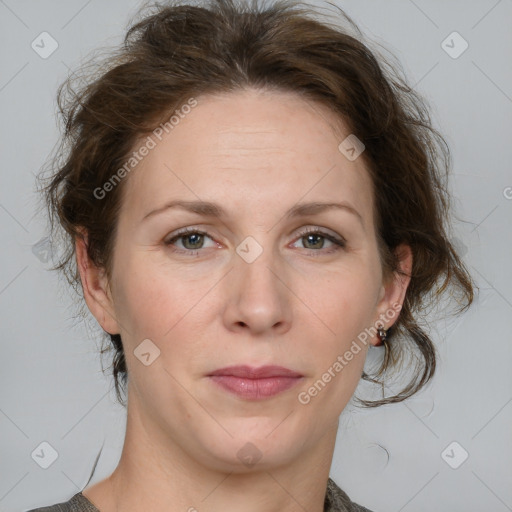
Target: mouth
{"points": [[249, 372], [255, 383]]}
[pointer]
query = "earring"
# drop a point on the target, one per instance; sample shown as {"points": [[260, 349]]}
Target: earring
{"points": [[383, 335]]}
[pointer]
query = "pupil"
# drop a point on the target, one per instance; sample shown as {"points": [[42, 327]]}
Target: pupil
{"points": [[310, 237], [197, 241]]}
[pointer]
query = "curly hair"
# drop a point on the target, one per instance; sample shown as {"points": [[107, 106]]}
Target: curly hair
{"points": [[176, 51]]}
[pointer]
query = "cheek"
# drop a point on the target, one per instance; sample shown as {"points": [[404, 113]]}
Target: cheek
{"points": [[344, 308], [153, 302], [344, 301], [153, 305]]}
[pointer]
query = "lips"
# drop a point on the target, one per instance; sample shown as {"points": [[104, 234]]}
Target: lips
{"points": [[249, 372], [252, 383]]}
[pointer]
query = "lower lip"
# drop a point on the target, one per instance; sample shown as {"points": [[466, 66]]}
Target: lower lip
{"points": [[255, 389]]}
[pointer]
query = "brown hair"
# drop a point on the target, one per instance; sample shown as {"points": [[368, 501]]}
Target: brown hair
{"points": [[177, 51]]}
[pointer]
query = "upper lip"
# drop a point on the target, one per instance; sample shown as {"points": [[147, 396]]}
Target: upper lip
{"points": [[251, 372]]}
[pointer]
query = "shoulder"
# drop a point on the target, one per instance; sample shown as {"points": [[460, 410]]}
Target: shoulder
{"points": [[337, 500], [78, 503]]}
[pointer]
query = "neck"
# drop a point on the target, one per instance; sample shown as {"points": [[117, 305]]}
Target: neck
{"points": [[156, 473]]}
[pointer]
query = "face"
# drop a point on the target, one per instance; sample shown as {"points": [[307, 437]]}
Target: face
{"points": [[254, 281]]}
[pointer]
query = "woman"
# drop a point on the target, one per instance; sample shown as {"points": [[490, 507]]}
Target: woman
{"points": [[251, 203]]}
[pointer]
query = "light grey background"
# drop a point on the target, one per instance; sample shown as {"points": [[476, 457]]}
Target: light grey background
{"points": [[388, 459]]}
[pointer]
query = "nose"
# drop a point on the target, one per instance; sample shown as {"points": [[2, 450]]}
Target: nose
{"points": [[258, 299]]}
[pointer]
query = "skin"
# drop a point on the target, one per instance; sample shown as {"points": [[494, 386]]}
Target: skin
{"points": [[299, 305]]}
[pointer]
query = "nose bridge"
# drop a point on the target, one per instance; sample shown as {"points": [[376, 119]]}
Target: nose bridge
{"points": [[257, 266], [258, 299]]}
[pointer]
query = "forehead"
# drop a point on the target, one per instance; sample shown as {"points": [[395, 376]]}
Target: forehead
{"points": [[250, 149]]}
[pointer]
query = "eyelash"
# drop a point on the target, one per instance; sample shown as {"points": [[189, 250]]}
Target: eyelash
{"points": [[338, 243]]}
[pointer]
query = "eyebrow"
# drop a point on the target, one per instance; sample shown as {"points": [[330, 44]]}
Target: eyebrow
{"points": [[209, 209]]}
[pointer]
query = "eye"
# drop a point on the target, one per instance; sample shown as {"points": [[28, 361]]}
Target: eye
{"points": [[314, 240], [191, 240]]}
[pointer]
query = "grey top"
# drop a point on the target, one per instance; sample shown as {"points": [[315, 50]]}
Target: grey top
{"points": [[336, 500]]}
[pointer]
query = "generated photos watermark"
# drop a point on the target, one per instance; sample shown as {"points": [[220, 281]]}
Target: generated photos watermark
{"points": [[305, 397], [150, 143]]}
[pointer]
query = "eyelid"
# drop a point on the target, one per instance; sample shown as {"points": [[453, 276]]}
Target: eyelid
{"points": [[321, 230], [175, 235], [184, 231], [336, 239]]}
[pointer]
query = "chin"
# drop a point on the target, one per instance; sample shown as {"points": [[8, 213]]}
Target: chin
{"points": [[253, 449]]}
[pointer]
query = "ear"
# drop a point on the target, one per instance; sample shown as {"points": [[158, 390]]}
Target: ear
{"points": [[95, 287], [393, 291]]}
